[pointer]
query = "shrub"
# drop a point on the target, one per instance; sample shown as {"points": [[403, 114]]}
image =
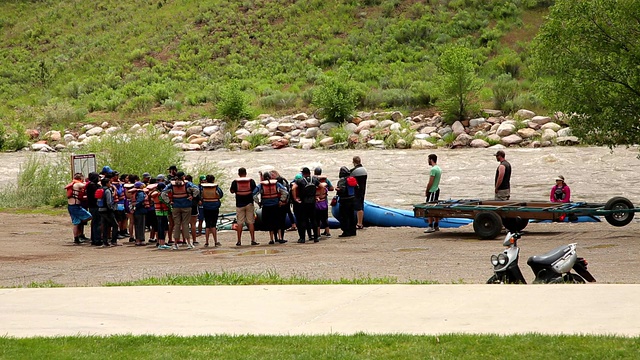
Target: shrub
{"points": [[172, 104], [339, 134], [135, 154], [337, 100], [279, 100], [15, 139], [233, 104], [139, 105], [458, 84], [505, 90], [256, 140], [40, 182]]}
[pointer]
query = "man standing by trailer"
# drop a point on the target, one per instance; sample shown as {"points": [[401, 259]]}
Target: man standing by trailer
{"points": [[503, 177], [432, 191]]}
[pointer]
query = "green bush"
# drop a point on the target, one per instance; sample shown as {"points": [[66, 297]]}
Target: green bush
{"points": [[279, 100], [15, 138], [135, 154], [233, 104], [40, 182], [139, 105], [172, 104], [336, 98], [339, 134], [505, 90], [458, 84], [256, 140]]}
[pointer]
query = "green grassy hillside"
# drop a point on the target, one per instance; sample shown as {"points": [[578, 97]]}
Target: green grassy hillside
{"points": [[78, 60]]}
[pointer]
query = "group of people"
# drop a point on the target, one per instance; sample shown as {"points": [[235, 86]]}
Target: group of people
{"points": [[174, 208], [560, 192]]}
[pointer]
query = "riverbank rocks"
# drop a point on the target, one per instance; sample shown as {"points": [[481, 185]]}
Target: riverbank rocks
{"points": [[364, 130]]}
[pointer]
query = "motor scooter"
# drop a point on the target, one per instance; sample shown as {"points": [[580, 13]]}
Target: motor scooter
{"points": [[553, 267]]}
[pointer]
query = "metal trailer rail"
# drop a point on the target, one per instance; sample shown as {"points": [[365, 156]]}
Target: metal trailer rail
{"points": [[489, 216]]}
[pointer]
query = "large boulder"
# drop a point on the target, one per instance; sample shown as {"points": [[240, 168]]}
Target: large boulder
{"points": [[511, 140], [216, 138], [97, 130], [548, 135], [193, 130], [53, 135], [505, 129], [476, 122], [525, 114], [286, 126], [551, 125], [564, 132], [386, 123], [567, 140], [313, 122], [540, 120], [479, 143], [396, 116], [43, 147], [210, 129], [326, 142], [300, 116], [177, 133], [527, 133], [312, 132], [242, 134], [462, 140], [196, 139], [418, 144], [457, 128]]}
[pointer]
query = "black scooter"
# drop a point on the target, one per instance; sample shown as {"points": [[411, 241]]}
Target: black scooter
{"points": [[553, 267]]}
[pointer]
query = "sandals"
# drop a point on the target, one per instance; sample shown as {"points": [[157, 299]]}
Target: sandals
{"points": [[359, 227]]}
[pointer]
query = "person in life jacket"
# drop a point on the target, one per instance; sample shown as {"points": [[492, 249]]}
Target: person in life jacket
{"points": [[322, 203], [270, 196], [202, 179], [162, 212], [284, 208], [304, 194], [79, 216], [211, 195], [560, 192], [107, 206], [347, 190], [141, 201], [93, 186], [243, 187], [195, 208], [130, 204], [180, 194]]}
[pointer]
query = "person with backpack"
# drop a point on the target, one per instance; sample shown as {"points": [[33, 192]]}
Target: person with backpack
{"points": [[180, 193], [347, 189], [79, 215], [243, 187], [284, 208], [304, 194], [107, 206], [211, 195], [322, 202], [270, 194]]}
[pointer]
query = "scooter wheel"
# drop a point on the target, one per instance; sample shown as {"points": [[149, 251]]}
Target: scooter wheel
{"points": [[493, 280], [573, 279]]}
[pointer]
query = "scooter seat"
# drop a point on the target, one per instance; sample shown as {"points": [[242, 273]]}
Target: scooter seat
{"points": [[550, 257]]}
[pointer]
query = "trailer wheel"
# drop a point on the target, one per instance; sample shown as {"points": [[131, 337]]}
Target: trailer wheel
{"points": [[619, 218], [515, 224], [487, 224]]}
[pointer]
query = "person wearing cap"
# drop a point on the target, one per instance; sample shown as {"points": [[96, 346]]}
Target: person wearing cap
{"points": [[560, 192], [304, 194], [106, 170], [322, 212], [360, 173], [180, 194], [92, 186], [146, 178], [503, 177], [243, 187], [346, 190]]}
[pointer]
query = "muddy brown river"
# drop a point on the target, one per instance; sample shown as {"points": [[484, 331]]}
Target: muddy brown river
{"points": [[397, 178]]}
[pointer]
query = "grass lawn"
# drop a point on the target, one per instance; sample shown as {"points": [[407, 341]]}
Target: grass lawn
{"points": [[359, 346]]}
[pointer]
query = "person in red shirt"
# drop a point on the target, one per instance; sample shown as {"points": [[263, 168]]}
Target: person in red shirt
{"points": [[560, 192]]}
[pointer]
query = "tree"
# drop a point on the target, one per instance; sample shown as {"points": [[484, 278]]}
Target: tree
{"points": [[458, 84], [588, 57], [337, 99]]}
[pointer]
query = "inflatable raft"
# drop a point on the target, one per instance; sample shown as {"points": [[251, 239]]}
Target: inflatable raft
{"points": [[376, 215]]}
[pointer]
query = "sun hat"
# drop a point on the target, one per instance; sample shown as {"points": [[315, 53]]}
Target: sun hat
{"points": [[560, 178]]}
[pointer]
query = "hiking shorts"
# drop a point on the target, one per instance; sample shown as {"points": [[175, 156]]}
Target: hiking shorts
{"points": [[246, 214], [78, 214], [432, 196]]}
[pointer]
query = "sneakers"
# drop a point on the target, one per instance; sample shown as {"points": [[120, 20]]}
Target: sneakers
{"points": [[196, 243], [84, 238], [281, 241], [132, 239], [164, 247], [301, 241], [218, 244], [175, 247], [326, 234], [255, 243], [271, 242], [190, 246], [153, 240], [430, 230]]}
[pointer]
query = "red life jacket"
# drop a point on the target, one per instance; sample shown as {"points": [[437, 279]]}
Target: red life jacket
{"points": [[179, 189], [210, 192], [73, 193], [269, 189], [243, 186]]}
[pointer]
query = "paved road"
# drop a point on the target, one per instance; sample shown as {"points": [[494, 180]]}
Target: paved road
{"points": [[309, 309]]}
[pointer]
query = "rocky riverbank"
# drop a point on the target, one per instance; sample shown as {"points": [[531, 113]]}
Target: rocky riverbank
{"points": [[365, 130]]}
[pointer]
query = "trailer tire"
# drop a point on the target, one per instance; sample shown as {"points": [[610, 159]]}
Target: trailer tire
{"points": [[515, 224], [621, 218], [487, 225]]}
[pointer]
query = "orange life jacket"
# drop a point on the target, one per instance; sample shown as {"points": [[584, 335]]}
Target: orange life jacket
{"points": [[159, 205], [243, 186], [210, 192], [73, 193], [269, 189], [179, 189]]}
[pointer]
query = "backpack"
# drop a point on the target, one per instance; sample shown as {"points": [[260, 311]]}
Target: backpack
{"points": [[352, 183], [308, 193], [99, 195]]}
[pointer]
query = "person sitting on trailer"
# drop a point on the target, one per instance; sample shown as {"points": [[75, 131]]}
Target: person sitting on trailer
{"points": [[560, 192]]}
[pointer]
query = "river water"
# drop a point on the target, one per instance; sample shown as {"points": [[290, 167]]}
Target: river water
{"points": [[397, 178]]}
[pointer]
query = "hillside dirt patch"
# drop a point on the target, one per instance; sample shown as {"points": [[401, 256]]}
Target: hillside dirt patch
{"points": [[39, 248]]}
